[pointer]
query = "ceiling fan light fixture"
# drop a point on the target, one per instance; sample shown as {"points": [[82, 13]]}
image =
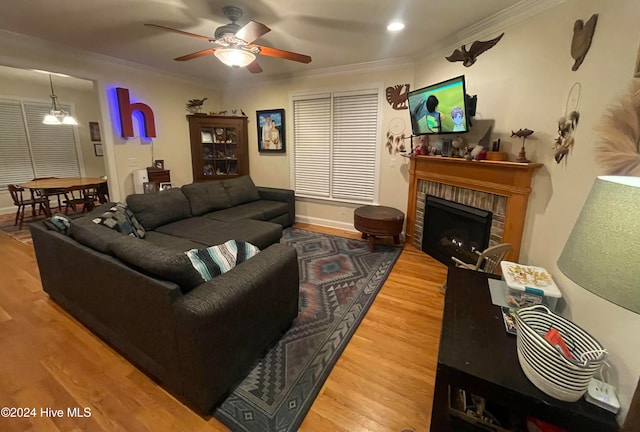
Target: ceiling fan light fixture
{"points": [[395, 26], [234, 57]]}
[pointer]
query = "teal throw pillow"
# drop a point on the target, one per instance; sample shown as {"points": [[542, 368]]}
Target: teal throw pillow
{"points": [[58, 222], [216, 260]]}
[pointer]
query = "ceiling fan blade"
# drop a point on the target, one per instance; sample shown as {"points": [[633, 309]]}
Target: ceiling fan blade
{"points": [[254, 67], [181, 32], [195, 55], [288, 55], [252, 31]]}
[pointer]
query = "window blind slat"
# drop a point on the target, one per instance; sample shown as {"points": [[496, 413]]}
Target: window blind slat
{"points": [[335, 140], [34, 149], [53, 146], [312, 140], [15, 160], [354, 146]]}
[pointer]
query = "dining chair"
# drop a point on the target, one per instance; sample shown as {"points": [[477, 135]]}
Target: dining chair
{"points": [[83, 198], [18, 199], [488, 260], [49, 193]]}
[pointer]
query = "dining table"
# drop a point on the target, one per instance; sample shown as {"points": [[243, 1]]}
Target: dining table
{"points": [[65, 184]]}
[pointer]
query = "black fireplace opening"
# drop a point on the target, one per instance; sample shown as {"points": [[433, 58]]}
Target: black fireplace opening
{"points": [[454, 229]]}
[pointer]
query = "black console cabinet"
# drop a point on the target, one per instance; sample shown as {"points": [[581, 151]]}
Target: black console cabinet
{"points": [[477, 355]]}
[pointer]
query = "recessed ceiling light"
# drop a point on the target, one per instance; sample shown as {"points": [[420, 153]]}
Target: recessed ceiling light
{"points": [[395, 26]]}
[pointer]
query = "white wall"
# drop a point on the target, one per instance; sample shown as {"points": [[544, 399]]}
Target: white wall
{"points": [[164, 94], [523, 82], [18, 83], [274, 169]]}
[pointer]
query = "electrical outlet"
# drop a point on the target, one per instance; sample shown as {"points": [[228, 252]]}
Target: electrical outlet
{"points": [[393, 162], [133, 162]]}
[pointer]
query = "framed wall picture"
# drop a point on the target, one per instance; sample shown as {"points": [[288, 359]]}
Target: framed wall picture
{"points": [[94, 131], [158, 164], [271, 131], [97, 149]]}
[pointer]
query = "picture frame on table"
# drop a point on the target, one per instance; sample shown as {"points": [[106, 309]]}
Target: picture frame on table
{"points": [[94, 131], [97, 149], [158, 164], [271, 136], [206, 137], [149, 187], [165, 186]]}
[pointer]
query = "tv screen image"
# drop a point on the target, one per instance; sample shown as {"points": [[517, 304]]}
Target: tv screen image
{"points": [[439, 108]]}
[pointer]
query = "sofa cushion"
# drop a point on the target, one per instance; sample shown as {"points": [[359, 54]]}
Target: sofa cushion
{"points": [[259, 233], [95, 236], [206, 197], [121, 219], [184, 227], [162, 263], [243, 211], [159, 208], [172, 242], [216, 260], [241, 190], [270, 209]]}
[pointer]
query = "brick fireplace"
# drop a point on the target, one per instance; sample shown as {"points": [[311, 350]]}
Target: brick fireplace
{"points": [[502, 188]]}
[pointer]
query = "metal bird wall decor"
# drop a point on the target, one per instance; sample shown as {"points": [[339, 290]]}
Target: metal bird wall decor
{"points": [[582, 35], [468, 57], [195, 105], [397, 98]]}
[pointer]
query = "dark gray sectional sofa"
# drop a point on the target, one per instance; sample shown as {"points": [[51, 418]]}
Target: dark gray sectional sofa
{"points": [[142, 296]]}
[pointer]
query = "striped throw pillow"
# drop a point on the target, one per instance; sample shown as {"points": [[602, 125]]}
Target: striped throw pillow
{"points": [[215, 260]]}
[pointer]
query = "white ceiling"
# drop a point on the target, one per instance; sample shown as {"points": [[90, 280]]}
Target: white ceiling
{"points": [[333, 32]]}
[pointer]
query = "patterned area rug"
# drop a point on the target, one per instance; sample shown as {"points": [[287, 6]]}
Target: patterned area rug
{"points": [[339, 280], [24, 235]]}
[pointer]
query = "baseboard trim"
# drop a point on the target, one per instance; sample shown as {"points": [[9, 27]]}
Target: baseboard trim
{"points": [[326, 223]]}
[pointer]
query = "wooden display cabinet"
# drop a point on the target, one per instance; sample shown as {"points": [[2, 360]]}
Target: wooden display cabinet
{"points": [[219, 146]]}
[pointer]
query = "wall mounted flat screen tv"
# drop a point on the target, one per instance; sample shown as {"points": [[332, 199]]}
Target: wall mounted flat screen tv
{"points": [[439, 108]]}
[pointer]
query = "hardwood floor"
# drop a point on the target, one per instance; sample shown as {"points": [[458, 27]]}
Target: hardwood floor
{"points": [[382, 382]]}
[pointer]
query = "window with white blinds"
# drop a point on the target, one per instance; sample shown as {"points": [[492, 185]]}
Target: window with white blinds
{"points": [[335, 151], [29, 148]]}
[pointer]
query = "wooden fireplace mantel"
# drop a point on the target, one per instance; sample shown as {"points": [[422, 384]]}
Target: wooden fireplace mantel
{"points": [[511, 179]]}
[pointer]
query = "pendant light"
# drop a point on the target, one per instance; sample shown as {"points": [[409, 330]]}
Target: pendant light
{"points": [[57, 115]]}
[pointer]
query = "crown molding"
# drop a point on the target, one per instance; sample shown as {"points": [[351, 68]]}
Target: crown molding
{"points": [[329, 72], [512, 15], [80, 56], [505, 18]]}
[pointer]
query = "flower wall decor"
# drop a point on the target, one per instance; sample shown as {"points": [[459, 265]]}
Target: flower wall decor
{"points": [[618, 151]]}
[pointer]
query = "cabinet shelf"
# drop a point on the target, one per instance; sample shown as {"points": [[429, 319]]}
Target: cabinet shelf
{"points": [[219, 147]]}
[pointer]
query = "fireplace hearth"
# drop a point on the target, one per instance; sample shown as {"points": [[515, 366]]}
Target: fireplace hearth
{"points": [[499, 187], [454, 229]]}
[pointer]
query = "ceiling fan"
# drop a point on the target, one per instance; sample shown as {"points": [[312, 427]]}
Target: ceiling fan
{"points": [[233, 44]]}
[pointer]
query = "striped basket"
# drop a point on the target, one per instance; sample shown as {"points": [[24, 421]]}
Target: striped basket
{"points": [[544, 365]]}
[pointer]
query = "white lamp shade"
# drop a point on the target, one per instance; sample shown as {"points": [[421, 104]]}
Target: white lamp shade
{"points": [[50, 119], [234, 57], [68, 120], [602, 254]]}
